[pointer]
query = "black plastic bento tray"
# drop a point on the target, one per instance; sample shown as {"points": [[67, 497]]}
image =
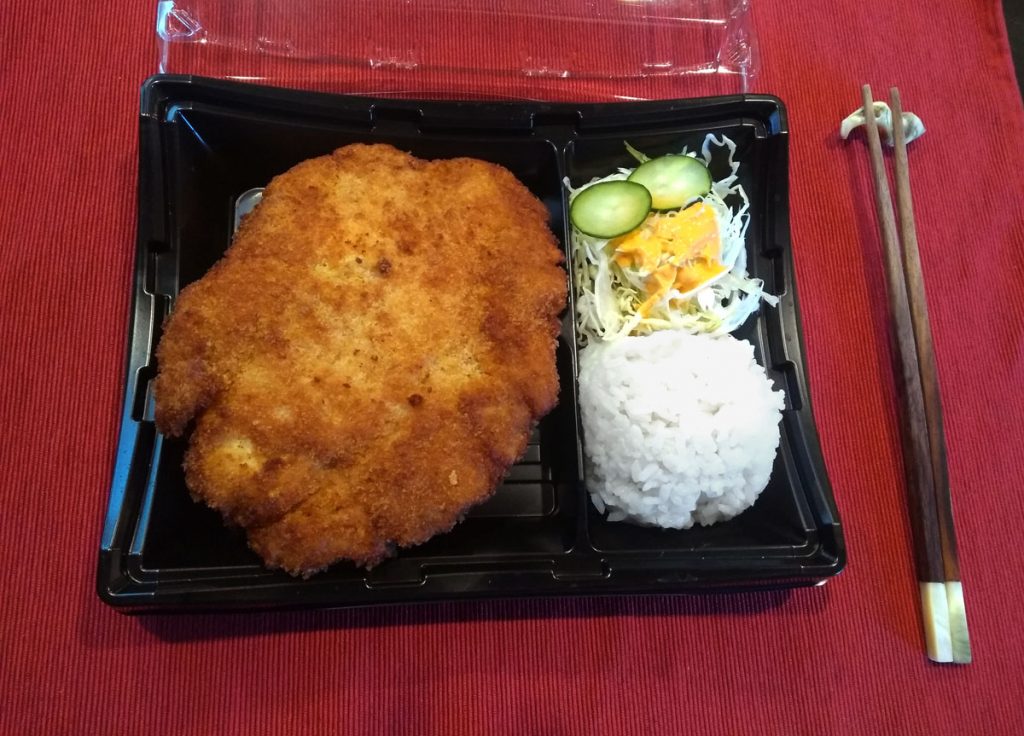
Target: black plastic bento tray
{"points": [[204, 143]]}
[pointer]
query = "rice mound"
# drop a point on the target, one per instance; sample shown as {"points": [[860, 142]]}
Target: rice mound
{"points": [[678, 428]]}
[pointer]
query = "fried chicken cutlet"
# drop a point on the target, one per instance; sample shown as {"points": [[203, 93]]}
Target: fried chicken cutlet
{"points": [[368, 358]]}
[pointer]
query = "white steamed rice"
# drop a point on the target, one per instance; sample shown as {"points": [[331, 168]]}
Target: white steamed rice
{"points": [[678, 428]]}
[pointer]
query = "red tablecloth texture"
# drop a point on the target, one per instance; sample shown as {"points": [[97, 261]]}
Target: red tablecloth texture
{"points": [[846, 658]]}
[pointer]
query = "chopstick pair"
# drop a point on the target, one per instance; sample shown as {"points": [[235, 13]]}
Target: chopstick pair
{"points": [[924, 446]]}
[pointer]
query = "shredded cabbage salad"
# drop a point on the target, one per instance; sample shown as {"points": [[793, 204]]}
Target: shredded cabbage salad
{"points": [[608, 295]]}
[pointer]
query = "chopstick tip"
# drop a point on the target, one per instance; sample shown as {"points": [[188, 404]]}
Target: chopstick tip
{"points": [[958, 622], [935, 616]]}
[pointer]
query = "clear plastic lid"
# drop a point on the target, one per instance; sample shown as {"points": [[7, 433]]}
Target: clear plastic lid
{"points": [[518, 49]]}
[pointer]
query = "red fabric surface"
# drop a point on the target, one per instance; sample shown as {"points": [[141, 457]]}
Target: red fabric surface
{"points": [[846, 658]]}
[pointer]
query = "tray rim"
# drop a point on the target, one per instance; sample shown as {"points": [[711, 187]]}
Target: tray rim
{"points": [[121, 588]]}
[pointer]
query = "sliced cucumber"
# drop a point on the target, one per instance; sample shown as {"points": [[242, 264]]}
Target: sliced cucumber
{"points": [[673, 181], [610, 208]]}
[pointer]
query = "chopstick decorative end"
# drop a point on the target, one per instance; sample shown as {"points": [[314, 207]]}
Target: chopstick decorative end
{"points": [[935, 611], [961, 641]]}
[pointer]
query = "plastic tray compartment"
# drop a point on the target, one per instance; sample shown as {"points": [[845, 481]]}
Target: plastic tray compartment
{"points": [[207, 147]]}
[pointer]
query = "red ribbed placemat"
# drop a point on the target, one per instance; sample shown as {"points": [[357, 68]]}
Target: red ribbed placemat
{"points": [[844, 658]]}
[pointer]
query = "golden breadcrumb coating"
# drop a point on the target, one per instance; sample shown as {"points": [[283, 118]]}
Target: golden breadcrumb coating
{"points": [[369, 356]]}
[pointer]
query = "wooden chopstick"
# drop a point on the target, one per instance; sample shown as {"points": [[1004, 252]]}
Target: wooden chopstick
{"points": [[915, 434], [960, 639]]}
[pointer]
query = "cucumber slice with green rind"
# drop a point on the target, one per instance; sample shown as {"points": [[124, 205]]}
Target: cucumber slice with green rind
{"points": [[609, 209], [673, 181]]}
